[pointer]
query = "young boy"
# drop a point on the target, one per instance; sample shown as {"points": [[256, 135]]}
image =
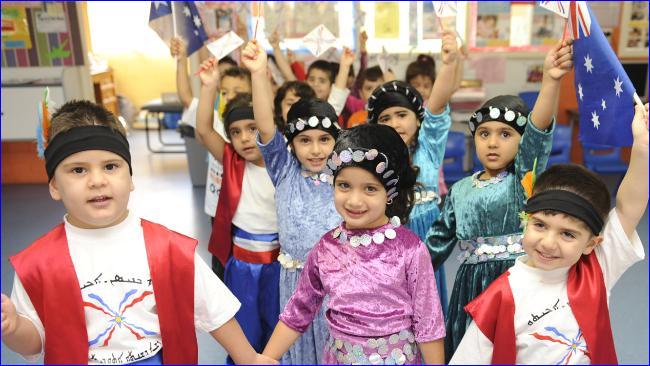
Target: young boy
{"points": [[106, 286], [370, 78], [245, 224], [551, 307]]}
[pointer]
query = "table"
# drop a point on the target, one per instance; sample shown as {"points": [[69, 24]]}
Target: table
{"points": [[159, 108]]}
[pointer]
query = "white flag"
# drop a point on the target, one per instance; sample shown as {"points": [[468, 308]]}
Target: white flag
{"points": [[558, 7], [221, 47], [445, 8], [319, 40]]}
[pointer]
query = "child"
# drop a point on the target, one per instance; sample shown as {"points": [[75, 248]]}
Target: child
{"points": [[289, 93], [321, 77], [482, 210], [382, 302], [245, 223], [551, 307], [99, 288], [304, 199], [370, 79], [424, 130]]}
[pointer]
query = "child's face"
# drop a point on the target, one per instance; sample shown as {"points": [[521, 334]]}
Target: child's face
{"points": [[312, 147], [230, 86], [496, 145], [368, 87], [403, 120], [242, 135], [360, 199], [289, 99], [94, 186], [556, 240], [319, 80], [423, 85]]}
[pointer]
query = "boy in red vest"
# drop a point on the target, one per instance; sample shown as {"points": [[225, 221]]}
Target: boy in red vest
{"points": [[105, 286], [551, 307]]}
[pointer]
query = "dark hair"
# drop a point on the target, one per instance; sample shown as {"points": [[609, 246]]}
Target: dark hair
{"points": [[579, 180], [240, 100], [371, 74], [227, 60], [388, 142], [300, 88], [424, 65], [77, 113], [237, 72], [324, 66], [512, 102]]}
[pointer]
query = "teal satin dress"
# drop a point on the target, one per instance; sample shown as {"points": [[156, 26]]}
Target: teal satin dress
{"points": [[484, 214]]}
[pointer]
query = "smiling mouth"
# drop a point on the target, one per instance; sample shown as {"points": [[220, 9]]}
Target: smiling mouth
{"points": [[545, 256], [99, 199], [354, 213]]}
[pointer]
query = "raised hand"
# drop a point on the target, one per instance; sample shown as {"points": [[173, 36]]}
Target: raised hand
{"points": [[209, 73], [347, 57], [178, 48], [559, 60], [449, 47], [363, 39], [254, 58], [274, 39], [640, 125]]}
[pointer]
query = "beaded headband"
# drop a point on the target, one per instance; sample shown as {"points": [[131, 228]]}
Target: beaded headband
{"points": [[365, 159], [314, 122], [514, 119]]}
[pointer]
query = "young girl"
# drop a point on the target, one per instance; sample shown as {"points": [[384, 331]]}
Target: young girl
{"points": [[382, 302], [424, 130], [482, 210], [574, 241], [303, 197]]}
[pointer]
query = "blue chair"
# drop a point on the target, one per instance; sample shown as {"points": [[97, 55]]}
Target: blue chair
{"points": [[529, 98], [454, 155], [561, 150], [604, 160]]}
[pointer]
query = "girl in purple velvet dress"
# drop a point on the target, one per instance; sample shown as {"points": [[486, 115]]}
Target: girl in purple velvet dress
{"points": [[382, 302]]}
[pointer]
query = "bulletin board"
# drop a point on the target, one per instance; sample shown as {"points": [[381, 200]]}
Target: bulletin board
{"points": [[633, 41], [45, 35]]}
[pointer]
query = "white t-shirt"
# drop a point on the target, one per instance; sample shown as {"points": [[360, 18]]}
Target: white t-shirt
{"points": [[113, 272], [545, 327], [256, 209], [215, 169], [337, 98]]}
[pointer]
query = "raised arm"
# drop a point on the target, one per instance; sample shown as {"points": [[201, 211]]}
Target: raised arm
{"points": [[347, 58], [443, 87], [255, 60], [558, 62], [205, 110], [280, 59], [632, 196], [178, 49]]}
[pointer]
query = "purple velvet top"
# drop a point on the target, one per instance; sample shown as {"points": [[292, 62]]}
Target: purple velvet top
{"points": [[374, 290]]}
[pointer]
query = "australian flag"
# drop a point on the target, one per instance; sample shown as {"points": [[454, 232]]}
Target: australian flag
{"points": [[188, 25], [603, 89]]}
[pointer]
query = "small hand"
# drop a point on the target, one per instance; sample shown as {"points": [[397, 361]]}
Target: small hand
{"points": [[253, 57], [274, 40], [291, 56], [363, 39], [178, 48], [209, 72], [347, 57], [261, 359], [559, 60], [640, 125], [449, 47], [9, 316]]}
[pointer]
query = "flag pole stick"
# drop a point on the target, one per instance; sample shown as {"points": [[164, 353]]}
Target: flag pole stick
{"points": [[174, 27], [638, 102], [259, 14]]}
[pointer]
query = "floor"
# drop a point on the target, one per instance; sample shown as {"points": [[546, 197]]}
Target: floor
{"points": [[164, 194]]}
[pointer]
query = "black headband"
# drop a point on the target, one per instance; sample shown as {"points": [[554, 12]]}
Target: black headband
{"points": [[394, 94], [568, 203], [84, 138], [238, 114], [309, 114], [512, 118]]}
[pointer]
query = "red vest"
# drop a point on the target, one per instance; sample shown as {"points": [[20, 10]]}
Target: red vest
{"points": [[47, 273], [494, 311], [220, 244]]}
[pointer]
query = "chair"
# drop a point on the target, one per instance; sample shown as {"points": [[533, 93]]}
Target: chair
{"points": [[561, 149], [604, 160], [529, 98], [454, 156]]}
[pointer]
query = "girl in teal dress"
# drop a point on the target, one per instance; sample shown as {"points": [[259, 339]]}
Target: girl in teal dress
{"points": [[424, 129], [481, 212]]}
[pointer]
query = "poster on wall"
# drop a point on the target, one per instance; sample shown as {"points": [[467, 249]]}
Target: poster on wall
{"points": [[634, 30], [493, 24], [51, 20], [386, 20], [15, 31]]}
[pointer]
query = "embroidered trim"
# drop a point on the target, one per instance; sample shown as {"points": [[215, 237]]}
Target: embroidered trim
{"points": [[316, 178], [289, 263], [424, 196], [366, 239], [490, 248], [394, 349], [484, 183]]}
